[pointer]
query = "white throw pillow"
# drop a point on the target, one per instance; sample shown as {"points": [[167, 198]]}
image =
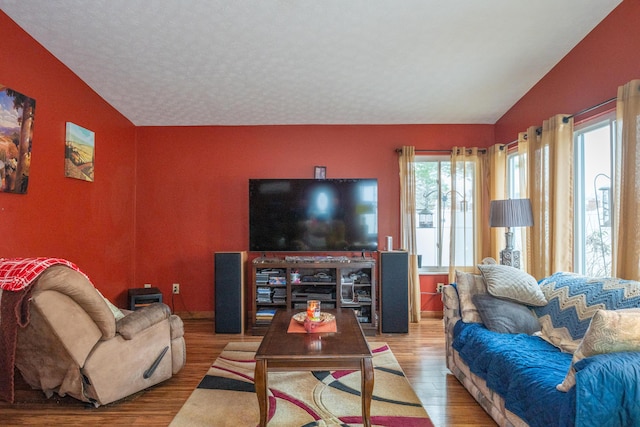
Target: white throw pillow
{"points": [[513, 284], [610, 331], [117, 313]]}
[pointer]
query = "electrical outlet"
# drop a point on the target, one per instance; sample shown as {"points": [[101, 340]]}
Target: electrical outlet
{"points": [[439, 287], [176, 288], [147, 285]]}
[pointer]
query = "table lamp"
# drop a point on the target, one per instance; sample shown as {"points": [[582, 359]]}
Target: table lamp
{"points": [[510, 213]]}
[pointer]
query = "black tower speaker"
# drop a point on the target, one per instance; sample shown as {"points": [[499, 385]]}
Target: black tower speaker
{"points": [[229, 292], [394, 292]]}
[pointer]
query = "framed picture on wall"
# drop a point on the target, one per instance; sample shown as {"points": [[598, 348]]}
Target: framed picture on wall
{"points": [[320, 172], [18, 112], [79, 148]]}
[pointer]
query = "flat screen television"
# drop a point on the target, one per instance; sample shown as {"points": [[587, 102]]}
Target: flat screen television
{"points": [[299, 215]]}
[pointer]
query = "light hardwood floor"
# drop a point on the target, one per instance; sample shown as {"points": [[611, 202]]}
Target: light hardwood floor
{"points": [[420, 353]]}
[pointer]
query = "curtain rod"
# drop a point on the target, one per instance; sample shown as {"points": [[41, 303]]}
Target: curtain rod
{"points": [[586, 110], [444, 151], [565, 119]]}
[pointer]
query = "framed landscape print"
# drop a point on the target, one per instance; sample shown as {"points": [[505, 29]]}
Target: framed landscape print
{"points": [[79, 149], [17, 113]]}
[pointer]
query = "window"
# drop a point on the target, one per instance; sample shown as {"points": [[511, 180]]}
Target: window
{"points": [[513, 174], [434, 198], [514, 186], [593, 190]]}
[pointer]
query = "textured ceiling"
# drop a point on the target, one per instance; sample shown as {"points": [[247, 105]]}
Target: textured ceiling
{"points": [[241, 62]]}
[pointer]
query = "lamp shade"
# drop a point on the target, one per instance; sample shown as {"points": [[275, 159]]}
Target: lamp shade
{"points": [[511, 213]]}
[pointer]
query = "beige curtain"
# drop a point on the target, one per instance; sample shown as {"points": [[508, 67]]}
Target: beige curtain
{"points": [[550, 178], [497, 190], [469, 220], [408, 226], [626, 245]]}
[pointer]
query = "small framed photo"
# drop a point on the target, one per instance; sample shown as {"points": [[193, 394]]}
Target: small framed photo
{"points": [[79, 152], [320, 172]]}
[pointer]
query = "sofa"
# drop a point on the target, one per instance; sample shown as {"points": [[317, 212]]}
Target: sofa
{"points": [[564, 351], [73, 341]]}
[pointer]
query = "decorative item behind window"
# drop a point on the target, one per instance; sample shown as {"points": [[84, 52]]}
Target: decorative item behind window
{"points": [[510, 213], [18, 113], [320, 172], [425, 218], [425, 215], [79, 148]]}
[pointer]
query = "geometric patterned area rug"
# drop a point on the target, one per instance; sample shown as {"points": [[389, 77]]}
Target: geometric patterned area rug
{"points": [[226, 395]]}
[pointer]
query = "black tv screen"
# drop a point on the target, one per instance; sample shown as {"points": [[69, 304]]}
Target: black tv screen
{"points": [[287, 215]]}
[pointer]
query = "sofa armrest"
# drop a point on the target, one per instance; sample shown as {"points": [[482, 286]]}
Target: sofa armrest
{"points": [[450, 316], [451, 306], [58, 322], [142, 319]]}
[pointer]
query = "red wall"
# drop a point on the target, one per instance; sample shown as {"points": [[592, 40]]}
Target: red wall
{"points": [[192, 187], [90, 224], [588, 75]]}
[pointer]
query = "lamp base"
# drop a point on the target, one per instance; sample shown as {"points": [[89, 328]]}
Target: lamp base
{"points": [[510, 257]]}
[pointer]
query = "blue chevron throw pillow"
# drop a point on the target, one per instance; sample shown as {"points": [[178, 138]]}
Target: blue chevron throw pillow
{"points": [[574, 299]]}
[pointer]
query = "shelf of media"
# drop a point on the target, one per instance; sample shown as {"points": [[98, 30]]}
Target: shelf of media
{"points": [[335, 282]]}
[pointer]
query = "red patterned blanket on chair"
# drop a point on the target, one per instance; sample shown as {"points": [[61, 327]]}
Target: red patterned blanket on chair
{"points": [[16, 277]]}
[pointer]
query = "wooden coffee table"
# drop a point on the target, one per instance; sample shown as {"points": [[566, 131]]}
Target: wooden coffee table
{"points": [[345, 349]]}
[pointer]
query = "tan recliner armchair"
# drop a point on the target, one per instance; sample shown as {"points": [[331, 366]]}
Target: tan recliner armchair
{"points": [[74, 345]]}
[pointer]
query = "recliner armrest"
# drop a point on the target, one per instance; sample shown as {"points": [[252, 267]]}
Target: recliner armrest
{"points": [[141, 319]]}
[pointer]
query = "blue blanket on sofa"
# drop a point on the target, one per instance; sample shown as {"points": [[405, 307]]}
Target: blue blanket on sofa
{"points": [[525, 370]]}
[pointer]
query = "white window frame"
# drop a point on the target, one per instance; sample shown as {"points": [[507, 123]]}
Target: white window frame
{"points": [[580, 130], [438, 200], [441, 255]]}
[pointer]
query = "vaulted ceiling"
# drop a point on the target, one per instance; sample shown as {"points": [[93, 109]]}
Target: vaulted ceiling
{"points": [[241, 62]]}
